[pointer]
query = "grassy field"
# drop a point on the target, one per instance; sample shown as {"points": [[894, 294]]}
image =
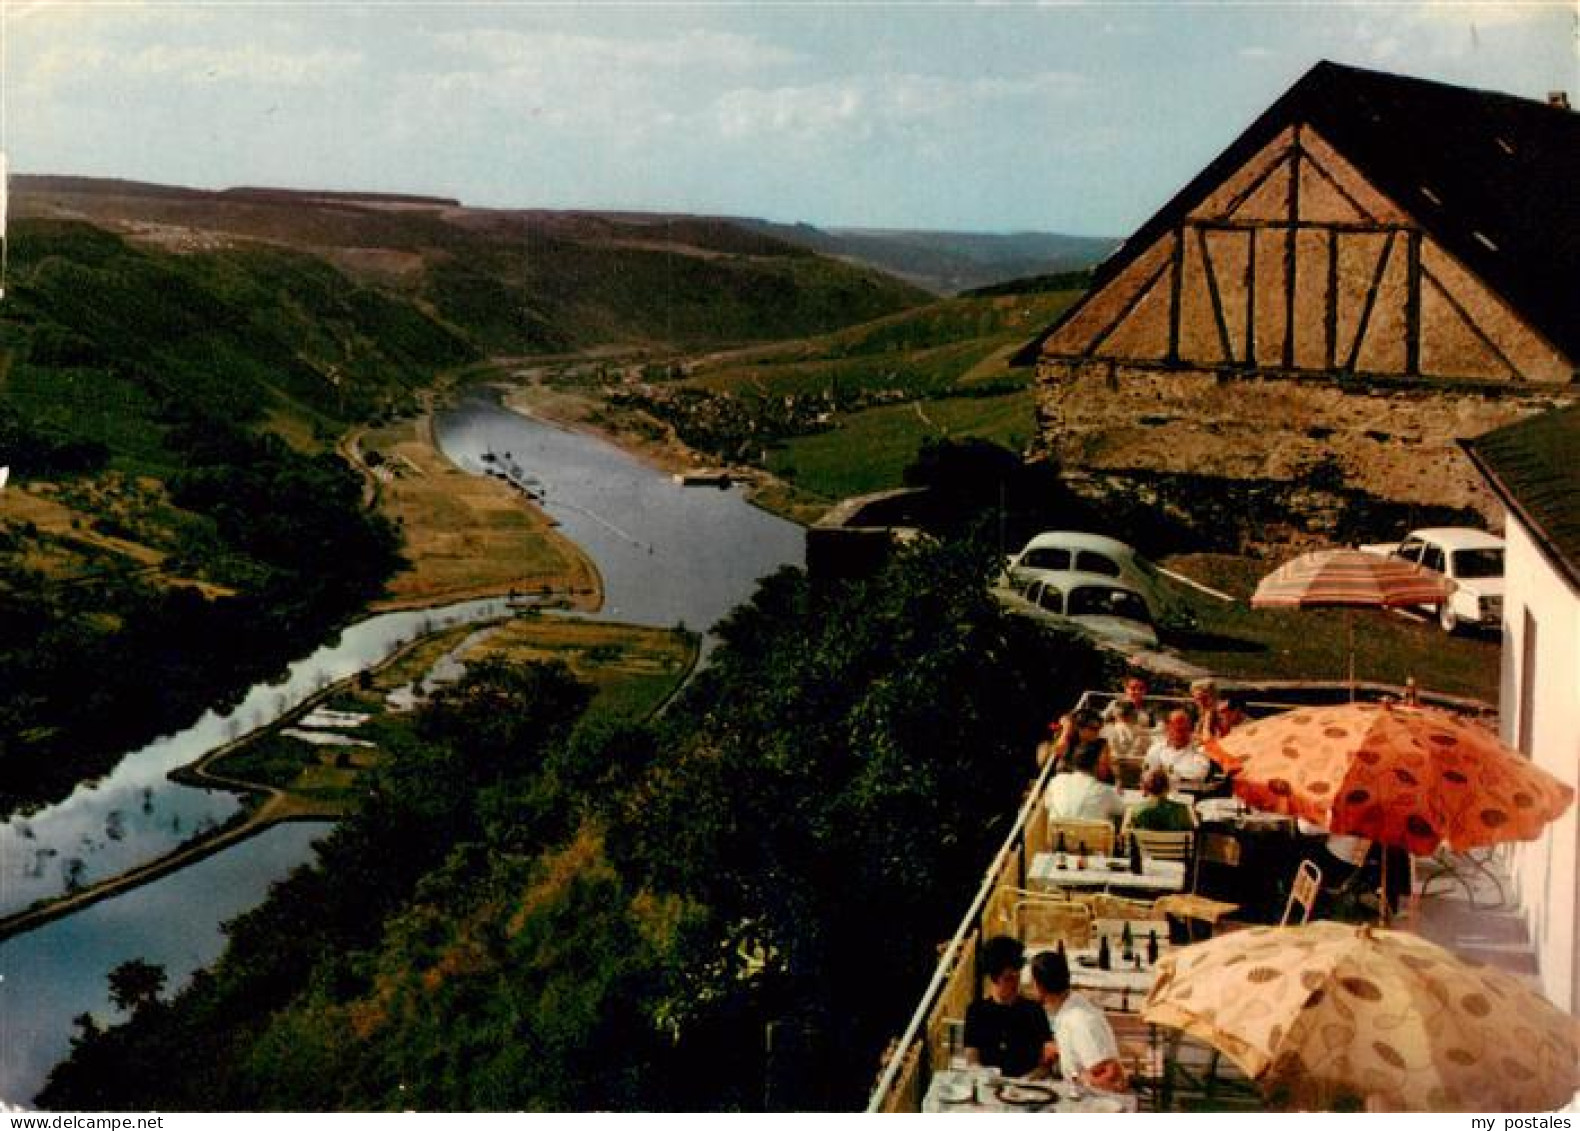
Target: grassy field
{"points": [[870, 450], [927, 351], [632, 669], [465, 535], [1237, 641]]}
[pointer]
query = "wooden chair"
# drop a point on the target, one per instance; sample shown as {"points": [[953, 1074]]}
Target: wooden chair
{"points": [[1142, 1052], [1106, 906], [1044, 922], [1082, 836], [1165, 846], [1303, 892]]}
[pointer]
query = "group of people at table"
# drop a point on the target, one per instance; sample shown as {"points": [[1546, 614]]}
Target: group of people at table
{"points": [[1094, 754], [1023, 1037]]}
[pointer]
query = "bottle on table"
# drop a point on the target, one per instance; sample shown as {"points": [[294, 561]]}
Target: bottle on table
{"points": [[1105, 958]]}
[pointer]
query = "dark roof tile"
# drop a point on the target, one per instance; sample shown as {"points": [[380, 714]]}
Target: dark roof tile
{"points": [[1533, 467]]}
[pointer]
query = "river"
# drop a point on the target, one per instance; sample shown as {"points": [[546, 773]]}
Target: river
{"points": [[667, 554]]}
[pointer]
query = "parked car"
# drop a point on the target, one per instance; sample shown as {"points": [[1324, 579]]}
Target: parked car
{"points": [[1472, 559], [1064, 551], [1105, 607]]}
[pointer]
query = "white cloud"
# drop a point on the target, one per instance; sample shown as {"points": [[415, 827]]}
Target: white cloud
{"points": [[859, 106], [693, 49], [249, 64], [1490, 13]]}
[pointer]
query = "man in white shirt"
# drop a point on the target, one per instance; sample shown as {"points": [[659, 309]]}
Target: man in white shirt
{"points": [[1087, 1050], [1177, 754], [1078, 796]]}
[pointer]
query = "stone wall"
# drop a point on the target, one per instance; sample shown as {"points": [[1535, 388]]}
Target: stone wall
{"points": [[1396, 441]]}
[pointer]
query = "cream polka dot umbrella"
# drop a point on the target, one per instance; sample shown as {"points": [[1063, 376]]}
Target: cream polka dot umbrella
{"points": [[1411, 777], [1334, 1016]]}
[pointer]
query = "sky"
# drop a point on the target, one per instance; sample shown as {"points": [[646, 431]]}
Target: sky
{"points": [[1059, 116]]}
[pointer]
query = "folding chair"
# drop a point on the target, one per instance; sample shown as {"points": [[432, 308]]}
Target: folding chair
{"points": [[1165, 846], [1081, 836], [1303, 893], [1046, 923]]}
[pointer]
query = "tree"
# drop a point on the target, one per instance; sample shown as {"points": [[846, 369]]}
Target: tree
{"points": [[833, 784], [135, 983]]}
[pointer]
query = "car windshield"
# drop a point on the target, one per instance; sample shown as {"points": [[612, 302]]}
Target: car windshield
{"points": [[1100, 601], [1486, 562]]}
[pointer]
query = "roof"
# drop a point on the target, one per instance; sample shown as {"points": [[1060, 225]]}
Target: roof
{"points": [[1078, 540], [1532, 467], [1490, 176], [1459, 537]]}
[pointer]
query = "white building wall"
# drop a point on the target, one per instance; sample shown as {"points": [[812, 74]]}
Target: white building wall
{"points": [[1546, 869]]}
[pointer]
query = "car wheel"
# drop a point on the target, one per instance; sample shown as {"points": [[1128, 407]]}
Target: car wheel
{"points": [[1447, 618]]}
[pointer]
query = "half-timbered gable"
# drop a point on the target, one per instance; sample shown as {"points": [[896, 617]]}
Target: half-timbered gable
{"points": [[1370, 232]]}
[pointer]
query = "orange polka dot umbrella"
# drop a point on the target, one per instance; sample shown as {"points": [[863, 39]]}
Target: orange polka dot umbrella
{"points": [[1411, 777], [1334, 1016]]}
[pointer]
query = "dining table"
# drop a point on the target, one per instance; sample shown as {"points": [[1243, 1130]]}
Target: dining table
{"points": [[973, 1090], [1126, 981], [1054, 870]]}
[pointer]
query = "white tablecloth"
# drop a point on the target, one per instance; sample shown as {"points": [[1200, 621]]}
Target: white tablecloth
{"points": [[1112, 874], [973, 1091]]}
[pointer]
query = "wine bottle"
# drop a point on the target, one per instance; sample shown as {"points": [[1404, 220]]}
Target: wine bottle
{"points": [[1104, 958], [1127, 941], [1135, 855], [1152, 947]]}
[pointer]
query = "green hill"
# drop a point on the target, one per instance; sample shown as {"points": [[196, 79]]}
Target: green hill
{"points": [[844, 413], [513, 282]]}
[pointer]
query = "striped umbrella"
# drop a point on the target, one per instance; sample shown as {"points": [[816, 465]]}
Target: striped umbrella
{"points": [[1327, 578], [1350, 578]]}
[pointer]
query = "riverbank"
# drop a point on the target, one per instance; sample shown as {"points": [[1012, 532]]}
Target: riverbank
{"points": [[653, 443], [272, 806], [465, 536]]}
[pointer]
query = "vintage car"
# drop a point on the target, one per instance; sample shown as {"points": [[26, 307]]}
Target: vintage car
{"points": [[1472, 559], [1104, 607]]}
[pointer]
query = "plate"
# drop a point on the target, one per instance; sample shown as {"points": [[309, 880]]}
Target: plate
{"points": [[1118, 866], [1025, 1093], [956, 1093], [1086, 960]]}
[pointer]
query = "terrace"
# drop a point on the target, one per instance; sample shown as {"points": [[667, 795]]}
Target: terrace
{"points": [[1238, 872]]}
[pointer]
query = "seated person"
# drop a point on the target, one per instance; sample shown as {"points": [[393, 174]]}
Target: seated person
{"points": [[1159, 812], [1135, 693], [1075, 728], [1177, 754], [1005, 1030], [1209, 712], [1084, 1041], [1126, 737], [1231, 713], [1078, 795]]}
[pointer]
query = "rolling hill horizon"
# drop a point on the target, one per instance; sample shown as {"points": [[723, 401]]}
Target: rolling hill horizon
{"points": [[939, 261]]}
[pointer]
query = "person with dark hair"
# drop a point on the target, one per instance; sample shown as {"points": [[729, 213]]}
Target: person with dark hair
{"points": [[1005, 1030], [1078, 794], [1135, 693], [1074, 729], [1084, 1041], [1231, 712], [1159, 812]]}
